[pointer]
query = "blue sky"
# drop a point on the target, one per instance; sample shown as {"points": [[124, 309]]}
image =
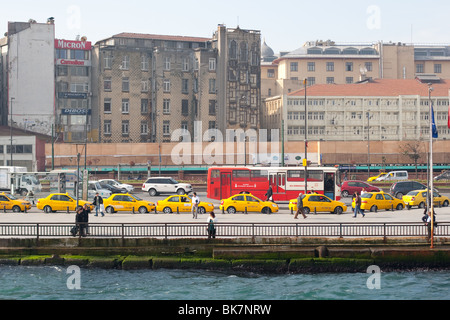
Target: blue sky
{"points": [[285, 24]]}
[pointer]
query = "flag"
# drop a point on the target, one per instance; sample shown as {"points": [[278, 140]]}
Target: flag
{"points": [[433, 124], [448, 117]]}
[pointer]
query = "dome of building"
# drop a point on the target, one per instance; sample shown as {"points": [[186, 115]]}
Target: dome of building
{"points": [[266, 51]]}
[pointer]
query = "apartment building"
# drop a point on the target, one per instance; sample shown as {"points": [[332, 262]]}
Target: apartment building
{"points": [[155, 88], [382, 110], [73, 90]]}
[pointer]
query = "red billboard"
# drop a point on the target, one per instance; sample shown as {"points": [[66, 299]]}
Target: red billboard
{"points": [[72, 45]]}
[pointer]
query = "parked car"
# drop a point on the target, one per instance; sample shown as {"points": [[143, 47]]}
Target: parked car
{"points": [[419, 198], [112, 188], [318, 203], [182, 203], [94, 187], [241, 202], [374, 201], [9, 202], [60, 202], [443, 176], [349, 188], [158, 185], [394, 175], [127, 202], [126, 187], [376, 177], [399, 189]]}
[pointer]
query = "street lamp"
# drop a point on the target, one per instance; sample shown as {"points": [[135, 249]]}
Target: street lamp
{"points": [[11, 130], [305, 82], [430, 192]]}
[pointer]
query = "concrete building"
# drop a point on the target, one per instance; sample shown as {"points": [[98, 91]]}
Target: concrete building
{"points": [[154, 88], [381, 109], [73, 90], [28, 67]]}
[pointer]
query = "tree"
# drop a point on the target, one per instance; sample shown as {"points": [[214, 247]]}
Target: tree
{"points": [[413, 151]]}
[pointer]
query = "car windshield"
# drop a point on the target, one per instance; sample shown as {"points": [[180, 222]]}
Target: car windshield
{"points": [[10, 196], [367, 195], [137, 198], [412, 193]]}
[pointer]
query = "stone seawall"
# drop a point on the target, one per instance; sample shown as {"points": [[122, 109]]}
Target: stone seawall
{"points": [[264, 256]]}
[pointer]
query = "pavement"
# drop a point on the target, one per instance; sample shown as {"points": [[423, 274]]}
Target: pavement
{"points": [[284, 216]]}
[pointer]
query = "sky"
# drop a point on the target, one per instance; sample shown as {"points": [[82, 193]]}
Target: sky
{"points": [[285, 25]]}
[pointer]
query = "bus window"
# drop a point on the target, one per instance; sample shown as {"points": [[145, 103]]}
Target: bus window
{"points": [[241, 175], [259, 175], [296, 175], [315, 175]]}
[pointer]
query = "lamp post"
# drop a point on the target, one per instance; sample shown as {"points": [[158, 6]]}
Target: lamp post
{"points": [[430, 192], [11, 130], [368, 144], [305, 163]]}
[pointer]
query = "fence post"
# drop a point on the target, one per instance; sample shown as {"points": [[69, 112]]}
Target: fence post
{"points": [[123, 232], [165, 231]]}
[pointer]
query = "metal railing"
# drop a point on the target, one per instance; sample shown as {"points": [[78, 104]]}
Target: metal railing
{"points": [[224, 230]]}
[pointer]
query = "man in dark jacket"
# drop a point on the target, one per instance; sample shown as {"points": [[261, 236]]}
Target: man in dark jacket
{"points": [[300, 207], [98, 203]]}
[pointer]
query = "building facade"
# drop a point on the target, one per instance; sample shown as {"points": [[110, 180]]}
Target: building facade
{"points": [[382, 110]]}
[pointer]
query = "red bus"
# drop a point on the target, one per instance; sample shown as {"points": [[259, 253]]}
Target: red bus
{"points": [[286, 182]]}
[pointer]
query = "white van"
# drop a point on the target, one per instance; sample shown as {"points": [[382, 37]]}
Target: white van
{"points": [[394, 175]]}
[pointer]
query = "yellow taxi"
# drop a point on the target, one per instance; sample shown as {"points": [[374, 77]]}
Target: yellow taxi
{"points": [[127, 202], [60, 202], [9, 202], [183, 203], [419, 198], [318, 203], [241, 202], [374, 201], [376, 177]]}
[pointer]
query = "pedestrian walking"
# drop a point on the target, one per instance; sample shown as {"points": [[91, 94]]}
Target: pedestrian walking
{"points": [[98, 203], [357, 198], [211, 225], [427, 220], [195, 203], [269, 194], [300, 207], [86, 212], [79, 222]]}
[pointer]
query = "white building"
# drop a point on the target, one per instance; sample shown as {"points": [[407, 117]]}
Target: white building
{"points": [[29, 63]]}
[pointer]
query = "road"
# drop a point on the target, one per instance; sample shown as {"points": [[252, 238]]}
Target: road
{"points": [[284, 216]]}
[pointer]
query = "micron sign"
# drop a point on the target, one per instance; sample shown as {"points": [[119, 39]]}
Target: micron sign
{"points": [[72, 45]]}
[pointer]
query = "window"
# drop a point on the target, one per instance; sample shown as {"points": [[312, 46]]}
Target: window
{"points": [[166, 128], [233, 50], [330, 66], [107, 105], [184, 85], [311, 81], [311, 66], [212, 85], [144, 62], [212, 107], [108, 60], [144, 86], [294, 66], [166, 106], [166, 85], [243, 54], [438, 68], [369, 66], [79, 71], [185, 64], [61, 54], [349, 80], [419, 68], [144, 106], [125, 127], [184, 107], [167, 63], [144, 127], [62, 71], [79, 55], [19, 149], [271, 73], [212, 64], [125, 84], [125, 63], [107, 127], [330, 80], [79, 87], [125, 105], [349, 66]]}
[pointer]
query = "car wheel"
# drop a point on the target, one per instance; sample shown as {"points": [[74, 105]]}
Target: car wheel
{"points": [[374, 209], [48, 209], [422, 205], [152, 192], [399, 206], [344, 193], [445, 204], [231, 210], [181, 192], [338, 210], [143, 210], [16, 209], [306, 210], [167, 210], [266, 210], [399, 195], [201, 210], [109, 209]]}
